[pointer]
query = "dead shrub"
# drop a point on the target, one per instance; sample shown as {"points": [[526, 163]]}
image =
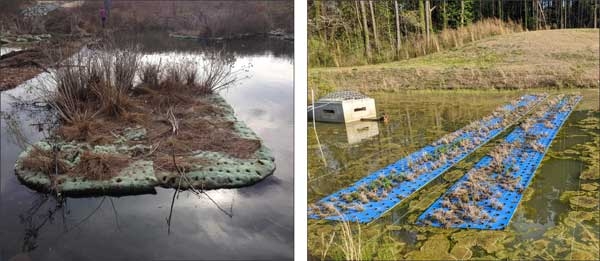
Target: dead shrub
{"points": [[218, 73], [191, 74], [150, 75], [174, 75], [126, 64]]}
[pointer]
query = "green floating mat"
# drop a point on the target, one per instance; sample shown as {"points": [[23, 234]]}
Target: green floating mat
{"points": [[206, 169]]}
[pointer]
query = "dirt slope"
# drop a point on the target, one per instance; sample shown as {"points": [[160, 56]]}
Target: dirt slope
{"points": [[552, 58]]}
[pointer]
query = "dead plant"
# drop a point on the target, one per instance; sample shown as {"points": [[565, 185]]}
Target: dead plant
{"points": [[99, 166], [43, 161]]}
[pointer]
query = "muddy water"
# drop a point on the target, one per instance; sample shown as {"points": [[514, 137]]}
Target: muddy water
{"points": [[540, 228], [135, 227]]}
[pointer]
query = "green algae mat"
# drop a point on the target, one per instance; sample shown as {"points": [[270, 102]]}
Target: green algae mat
{"points": [[129, 163]]}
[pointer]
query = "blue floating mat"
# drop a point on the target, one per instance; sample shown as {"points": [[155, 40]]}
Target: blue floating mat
{"points": [[364, 211], [519, 166]]}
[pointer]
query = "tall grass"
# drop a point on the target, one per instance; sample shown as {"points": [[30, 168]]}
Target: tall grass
{"points": [[215, 72], [101, 82], [347, 246], [349, 49], [92, 83]]}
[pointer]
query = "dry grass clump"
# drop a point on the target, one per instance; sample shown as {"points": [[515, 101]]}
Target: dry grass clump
{"points": [[101, 83], [92, 84], [213, 73], [45, 161], [99, 166], [92, 166]]}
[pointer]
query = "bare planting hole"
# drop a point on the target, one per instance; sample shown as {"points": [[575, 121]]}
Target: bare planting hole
{"points": [[164, 178], [119, 180], [247, 170], [196, 178]]}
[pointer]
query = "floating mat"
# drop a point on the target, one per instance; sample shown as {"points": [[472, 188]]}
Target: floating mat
{"points": [[364, 202], [207, 169], [488, 195]]}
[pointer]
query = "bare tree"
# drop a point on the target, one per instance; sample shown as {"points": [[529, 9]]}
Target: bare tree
{"points": [[398, 40], [374, 24], [366, 27]]}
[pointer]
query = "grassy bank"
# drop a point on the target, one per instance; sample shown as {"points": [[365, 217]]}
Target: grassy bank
{"points": [[551, 58], [350, 49]]}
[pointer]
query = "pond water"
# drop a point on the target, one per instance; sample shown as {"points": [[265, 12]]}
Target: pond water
{"points": [[134, 227], [417, 118]]}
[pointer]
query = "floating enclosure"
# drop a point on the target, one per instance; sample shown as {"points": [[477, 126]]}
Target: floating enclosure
{"points": [[506, 186], [372, 196], [343, 106]]}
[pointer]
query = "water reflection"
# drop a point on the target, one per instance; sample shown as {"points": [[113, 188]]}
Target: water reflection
{"points": [[157, 42], [360, 130]]}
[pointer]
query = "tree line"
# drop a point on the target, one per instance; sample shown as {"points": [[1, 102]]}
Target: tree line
{"points": [[360, 32]]}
